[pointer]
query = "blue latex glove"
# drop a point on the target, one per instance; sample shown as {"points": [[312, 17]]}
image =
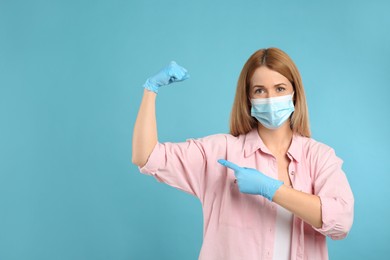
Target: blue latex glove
{"points": [[171, 73], [252, 181]]}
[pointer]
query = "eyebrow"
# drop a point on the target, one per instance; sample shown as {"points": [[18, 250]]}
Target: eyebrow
{"points": [[276, 85]]}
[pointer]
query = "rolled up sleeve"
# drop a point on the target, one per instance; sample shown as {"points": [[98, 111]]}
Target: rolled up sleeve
{"points": [[180, 165], [334, 191]]}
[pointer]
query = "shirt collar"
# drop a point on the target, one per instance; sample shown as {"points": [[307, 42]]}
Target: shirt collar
{"points": [[253, 143], [295, 149]]}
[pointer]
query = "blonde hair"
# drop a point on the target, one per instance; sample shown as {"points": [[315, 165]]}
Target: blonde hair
{"points": [[241, 121]]}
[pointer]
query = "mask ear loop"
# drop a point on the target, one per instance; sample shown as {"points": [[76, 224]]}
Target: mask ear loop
{"points": [[293, 98]]}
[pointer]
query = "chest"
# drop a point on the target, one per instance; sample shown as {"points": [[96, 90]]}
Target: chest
{"points": [[283, 163], [282, 168], [291, 172]]}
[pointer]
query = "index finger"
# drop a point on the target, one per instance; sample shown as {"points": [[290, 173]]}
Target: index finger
{"points": [[230, 165]]}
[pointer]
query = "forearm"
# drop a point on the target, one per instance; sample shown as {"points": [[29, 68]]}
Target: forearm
{"points": [[303, 205], [145, 129]]}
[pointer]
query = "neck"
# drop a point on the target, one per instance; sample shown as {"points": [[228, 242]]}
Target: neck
{"points": [[277, 140]]}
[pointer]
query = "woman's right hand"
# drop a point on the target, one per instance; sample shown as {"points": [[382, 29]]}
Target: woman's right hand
{"points": [[171, 73]]}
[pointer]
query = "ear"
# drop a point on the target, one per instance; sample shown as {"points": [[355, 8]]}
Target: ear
{"points": [[294, 97]]}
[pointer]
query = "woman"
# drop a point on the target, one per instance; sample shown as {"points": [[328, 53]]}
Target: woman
{"points": [[268, 190]]}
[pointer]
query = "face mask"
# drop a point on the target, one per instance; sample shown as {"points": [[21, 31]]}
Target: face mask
{"points": [[272, 112]]}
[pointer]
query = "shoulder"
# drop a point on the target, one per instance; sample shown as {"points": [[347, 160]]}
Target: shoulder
{"points": [[216, 139], [318, 152], [313, 146], [218, 142]]}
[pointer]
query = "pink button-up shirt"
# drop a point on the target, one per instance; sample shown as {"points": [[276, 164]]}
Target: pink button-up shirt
{"points": [[242, 226]]}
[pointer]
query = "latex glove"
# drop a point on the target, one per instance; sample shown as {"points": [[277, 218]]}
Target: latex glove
{"points": [[252, 181], [171, 73]]}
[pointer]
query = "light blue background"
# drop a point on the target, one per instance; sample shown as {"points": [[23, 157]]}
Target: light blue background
{"points": [[70, 86]]}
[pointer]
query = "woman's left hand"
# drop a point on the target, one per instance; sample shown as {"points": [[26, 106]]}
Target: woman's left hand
{"points": [[251, 181]]}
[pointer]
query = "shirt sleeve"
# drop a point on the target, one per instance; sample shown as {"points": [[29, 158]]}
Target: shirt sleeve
{"points": [[333, 189], [183, 165]]}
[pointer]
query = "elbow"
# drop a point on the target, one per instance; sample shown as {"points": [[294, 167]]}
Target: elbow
{"points": [[337, 218], [134, 161], [138, 157], [140, 162], [343, 226], [348, 217], [337, 231], [140, 154], [341, 231]]}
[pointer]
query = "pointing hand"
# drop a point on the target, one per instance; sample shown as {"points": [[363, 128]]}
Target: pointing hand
{"points": [[251, 181]]}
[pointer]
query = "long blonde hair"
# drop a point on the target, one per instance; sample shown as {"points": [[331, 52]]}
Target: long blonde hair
{"points": [[241, 121]]}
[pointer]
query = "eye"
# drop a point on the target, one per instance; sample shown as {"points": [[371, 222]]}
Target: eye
{"points": [[280, 89], [259, 91]]}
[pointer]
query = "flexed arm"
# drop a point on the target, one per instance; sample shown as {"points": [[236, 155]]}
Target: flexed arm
{"points": [[145, 128]]}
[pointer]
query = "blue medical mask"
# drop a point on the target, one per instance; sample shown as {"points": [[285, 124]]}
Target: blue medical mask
{"points": [[272, 112]]}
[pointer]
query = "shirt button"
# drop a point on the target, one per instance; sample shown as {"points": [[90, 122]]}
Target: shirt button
{"points": [[292, 172]]}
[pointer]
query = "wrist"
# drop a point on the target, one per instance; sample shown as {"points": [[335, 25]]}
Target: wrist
{"points": [[149, 94], [272, 187], [151, 86]]}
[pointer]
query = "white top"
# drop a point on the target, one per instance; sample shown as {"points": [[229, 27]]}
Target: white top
{"points": [[282, 245]]}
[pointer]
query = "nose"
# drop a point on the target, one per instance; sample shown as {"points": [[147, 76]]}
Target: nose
{"points": [[271, 94]]}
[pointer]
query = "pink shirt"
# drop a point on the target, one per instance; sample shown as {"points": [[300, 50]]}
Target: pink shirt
{"points": [[242, 226]]}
